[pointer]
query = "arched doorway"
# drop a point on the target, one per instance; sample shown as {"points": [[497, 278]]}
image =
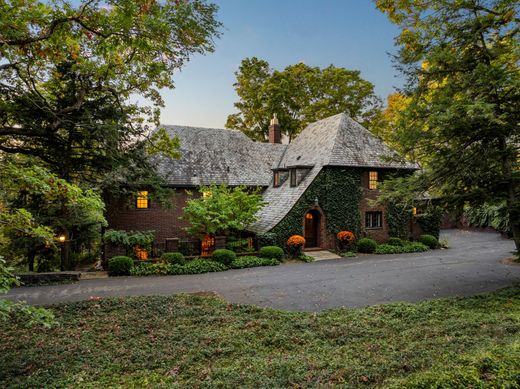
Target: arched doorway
{"points": [[312, 228]]}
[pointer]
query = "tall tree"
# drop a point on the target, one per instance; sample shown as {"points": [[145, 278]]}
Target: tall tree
{"points": [[461, 59], [299, 95], [70, 73]]}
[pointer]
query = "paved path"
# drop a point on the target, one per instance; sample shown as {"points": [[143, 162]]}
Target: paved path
{"points": [[472, 265], [322, 255]]}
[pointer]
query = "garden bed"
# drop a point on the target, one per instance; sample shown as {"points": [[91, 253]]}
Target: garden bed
{"points": [[48, 278]]}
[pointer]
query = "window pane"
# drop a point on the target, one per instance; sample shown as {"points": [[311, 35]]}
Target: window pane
{"points": [[372, 180], [142, 199], [293, 177]]}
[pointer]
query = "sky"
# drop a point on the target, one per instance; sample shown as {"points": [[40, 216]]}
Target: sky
{"points": [[346, 33]]}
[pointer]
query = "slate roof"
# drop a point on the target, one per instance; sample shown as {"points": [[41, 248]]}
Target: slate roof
{"points": [[334, 141], [212, 155]]}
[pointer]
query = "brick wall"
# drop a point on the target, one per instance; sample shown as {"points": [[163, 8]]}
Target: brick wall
{"points": [[378, 234], [164, 221]]}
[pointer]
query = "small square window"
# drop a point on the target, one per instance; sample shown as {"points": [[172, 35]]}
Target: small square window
{"points": [[374, 219], [372, 180], [142, 199], [293, 177]]}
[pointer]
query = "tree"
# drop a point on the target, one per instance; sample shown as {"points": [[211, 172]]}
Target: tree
{"points": [[69, 76], [461, 62], [36, 205], [222, 208], [299, 95]]}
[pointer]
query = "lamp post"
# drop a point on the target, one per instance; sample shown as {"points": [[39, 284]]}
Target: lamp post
{"points": [[64, 251]]}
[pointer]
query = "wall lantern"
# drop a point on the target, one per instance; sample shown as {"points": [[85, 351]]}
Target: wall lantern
{"points": [[62, 238], [316, 201], [414, 211]]}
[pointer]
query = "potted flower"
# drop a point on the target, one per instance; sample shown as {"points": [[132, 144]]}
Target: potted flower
{"points": [[345, 238], [295, 244]]}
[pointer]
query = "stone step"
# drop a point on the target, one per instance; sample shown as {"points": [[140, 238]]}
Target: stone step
{"points": [[322, 255]]}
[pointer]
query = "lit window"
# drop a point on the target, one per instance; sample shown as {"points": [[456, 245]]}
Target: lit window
{"points": [[276, 179], [293, 177], [142, 199], [373, 219], [140, 253], [372, 180]]}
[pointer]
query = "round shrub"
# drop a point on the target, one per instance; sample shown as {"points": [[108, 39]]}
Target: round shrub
{"points": [[366, 245], [224, 256], [174, 258], [395, 242], [271, 252], [120, 266], [429, 240]]}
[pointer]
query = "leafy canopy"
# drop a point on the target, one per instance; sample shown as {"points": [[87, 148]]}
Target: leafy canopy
{"points": [[299, 95], [222, 208], [463, 87]]}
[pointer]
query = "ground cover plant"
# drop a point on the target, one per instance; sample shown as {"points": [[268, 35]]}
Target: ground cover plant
{"points": [[407, 247], [200, 341]]}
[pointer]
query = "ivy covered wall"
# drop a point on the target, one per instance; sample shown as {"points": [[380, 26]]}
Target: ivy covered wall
{"points": [[338, 191]]}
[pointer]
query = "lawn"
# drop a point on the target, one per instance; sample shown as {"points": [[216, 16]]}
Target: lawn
{"points": [[202, 341]]}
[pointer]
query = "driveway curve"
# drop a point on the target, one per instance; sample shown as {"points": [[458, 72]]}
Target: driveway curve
{"points": [[471, 265]]}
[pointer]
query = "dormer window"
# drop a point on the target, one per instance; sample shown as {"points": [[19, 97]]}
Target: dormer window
{"points": [[276, 179], [292, 174], [142, 200], [372, 180]]}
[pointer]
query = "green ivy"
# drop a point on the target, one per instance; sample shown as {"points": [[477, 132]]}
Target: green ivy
{"points": [[398, 220], [430, 222], [338, 191], [129, 239]]}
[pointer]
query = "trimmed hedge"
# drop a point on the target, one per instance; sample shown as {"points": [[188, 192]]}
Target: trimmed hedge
{"points": [[120, 266], [197, 266], [271, 252], [366, 245], [407, 247], [395, 241], [224, 256], [429, 240], [174, 258], [251, 261]]}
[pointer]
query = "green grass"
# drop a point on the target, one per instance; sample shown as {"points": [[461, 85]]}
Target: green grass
{"points": [[192, 341]]}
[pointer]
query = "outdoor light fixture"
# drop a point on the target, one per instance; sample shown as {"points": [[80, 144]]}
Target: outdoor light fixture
{"points": [[414, 211], [316, 201], [61, 238]]}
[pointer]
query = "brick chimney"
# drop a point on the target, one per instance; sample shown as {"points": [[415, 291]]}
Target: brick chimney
{"points": [[275, 136]]}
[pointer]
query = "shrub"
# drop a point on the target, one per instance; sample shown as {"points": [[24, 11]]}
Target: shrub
{"points": [[345, 236], [395, 241], [251, 261], [366, 245], [415, 247], [407, 247], [200, 265], [120, 266], [295, 244], [238, 245], [267, 239], [143, 269], [173, 258], [271, 252], [224, 256], [429, 240], [306, 258]]}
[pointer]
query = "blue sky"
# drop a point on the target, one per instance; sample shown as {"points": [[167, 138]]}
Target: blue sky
{"points": [[347, 33]]}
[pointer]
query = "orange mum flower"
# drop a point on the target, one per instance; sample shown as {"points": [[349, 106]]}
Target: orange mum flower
{"points": [[296, 240], [345, 236]]}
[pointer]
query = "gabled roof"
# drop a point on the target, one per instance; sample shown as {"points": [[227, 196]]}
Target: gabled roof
{"points": [[218, 156], [334, 141]]}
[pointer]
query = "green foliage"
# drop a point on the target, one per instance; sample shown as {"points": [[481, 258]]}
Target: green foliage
{"points": [[203, 266], [224, 208], [398, 220], [238, 245], [130, 239], [223, 256], [402, 345], [299, 95], [444, 243], [461, 60], [120, 265], [489, 215], [406, 247], [338, 193], [267, 239], [271, 252], [430, 221], [305, 258], [71, 71], [366, 245], [395, 241], [251, 261], [429, 240], [173, 258]]}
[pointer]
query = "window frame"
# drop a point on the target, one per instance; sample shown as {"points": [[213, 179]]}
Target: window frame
{"points": [[373, 179], [276, 179], [371, 218], [293, 178], [143, 198]]}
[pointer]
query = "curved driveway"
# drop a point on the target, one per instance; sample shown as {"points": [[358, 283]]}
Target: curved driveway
{"points": [[471, 265]]}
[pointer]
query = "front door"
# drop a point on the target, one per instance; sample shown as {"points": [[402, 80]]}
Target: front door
{"points": [[311, 229]]}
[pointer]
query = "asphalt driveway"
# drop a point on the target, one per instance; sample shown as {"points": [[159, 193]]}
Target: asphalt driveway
{"points": [[471, 265]]}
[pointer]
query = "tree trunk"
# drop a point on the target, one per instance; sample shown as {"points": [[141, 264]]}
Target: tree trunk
{"points": [[30, 259]]}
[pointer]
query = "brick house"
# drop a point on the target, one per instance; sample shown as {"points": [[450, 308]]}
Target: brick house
{"points": [[315, 186]]}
